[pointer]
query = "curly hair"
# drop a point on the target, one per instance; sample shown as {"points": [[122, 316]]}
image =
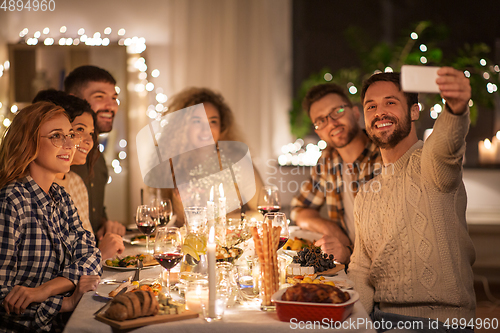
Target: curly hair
{"points": [[21, 141], [192, 96]]}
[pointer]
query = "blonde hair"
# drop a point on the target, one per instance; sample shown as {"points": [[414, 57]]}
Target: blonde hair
{"points": [[21, 141]]}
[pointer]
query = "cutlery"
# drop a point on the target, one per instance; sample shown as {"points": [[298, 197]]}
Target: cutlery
{"points": [[138, 270], [108, 302]]}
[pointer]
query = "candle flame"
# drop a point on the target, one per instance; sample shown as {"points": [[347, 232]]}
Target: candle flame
{"points": [[212, 194], [487, 144], [211, 235], [221, 190]]}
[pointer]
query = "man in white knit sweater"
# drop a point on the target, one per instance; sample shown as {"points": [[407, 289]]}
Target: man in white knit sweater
{"points": [[413, 255]]}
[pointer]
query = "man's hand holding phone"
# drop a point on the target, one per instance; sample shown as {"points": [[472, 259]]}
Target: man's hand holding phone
{"points": [[453, 86]]}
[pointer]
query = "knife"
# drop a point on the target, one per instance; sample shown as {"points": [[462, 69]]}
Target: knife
{"points": [[107, 303]]}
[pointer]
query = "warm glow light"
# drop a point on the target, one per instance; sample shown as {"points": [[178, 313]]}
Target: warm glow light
{"points": [[155, 73], [123, 143], [498, 135], [486, 75], [150, 86], [81, 31], [482, 62], [423, 47], [122, 155], [388, 69], [46, 30], [117, 89], [467, 73], [434, 114], [328, 77], [322, 144], [14, 108], [423, 59], [487, 143], [420, 106], [63, 29], [6, 122], [49, 41], [353, 90], [107, 31], [438, 108], [37, 34], [121, 32], [414, 35]]}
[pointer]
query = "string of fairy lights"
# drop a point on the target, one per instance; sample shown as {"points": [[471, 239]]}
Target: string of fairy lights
{"points": [[297, 153], [140, 82]]}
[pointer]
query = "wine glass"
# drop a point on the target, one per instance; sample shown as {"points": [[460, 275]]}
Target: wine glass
{"points": [[269, 200], [165, 211], [168, 250], [146, 219], [279, 220]]}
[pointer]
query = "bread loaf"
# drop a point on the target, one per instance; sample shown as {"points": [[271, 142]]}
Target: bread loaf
{"points": [[132, 305]]}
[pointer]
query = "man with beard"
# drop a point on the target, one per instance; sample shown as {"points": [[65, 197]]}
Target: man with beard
{"points": [[413, 256], [349, 160], [96, 86]]}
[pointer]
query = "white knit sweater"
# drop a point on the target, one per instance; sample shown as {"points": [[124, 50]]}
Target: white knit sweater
{"points": [[413, 254]]}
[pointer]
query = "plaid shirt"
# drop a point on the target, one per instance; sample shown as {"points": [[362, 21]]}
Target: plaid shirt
{"points": [[326, 183], [41, 238]]}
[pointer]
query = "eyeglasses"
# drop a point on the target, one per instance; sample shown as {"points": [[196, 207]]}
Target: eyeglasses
{"points": [[58, 139], [336, 113]]}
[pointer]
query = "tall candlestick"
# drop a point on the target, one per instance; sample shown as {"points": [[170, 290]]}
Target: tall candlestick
{"points": [[211, 208], [212, 292], [222, 206]]}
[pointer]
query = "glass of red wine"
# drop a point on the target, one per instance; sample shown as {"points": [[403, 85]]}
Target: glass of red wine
{"points": [[279, 220], [269, 200], [146, 220], [168, 250]]}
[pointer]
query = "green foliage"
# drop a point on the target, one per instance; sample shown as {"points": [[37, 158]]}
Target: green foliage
{"points": [[376, 56]]}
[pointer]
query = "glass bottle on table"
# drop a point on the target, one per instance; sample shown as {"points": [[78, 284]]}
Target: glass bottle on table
{"points": [[168, 250], [146, 220], [269, 200]]}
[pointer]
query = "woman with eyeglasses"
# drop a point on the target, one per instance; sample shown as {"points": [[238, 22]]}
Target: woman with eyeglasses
{"points": [[48, 260], [82, 120]]}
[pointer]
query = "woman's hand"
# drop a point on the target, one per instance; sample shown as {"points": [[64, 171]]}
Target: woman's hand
{"points": [[87, 283], [21, 297]]}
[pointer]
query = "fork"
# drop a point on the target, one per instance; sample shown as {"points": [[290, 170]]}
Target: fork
{"points": [[138, 270]]}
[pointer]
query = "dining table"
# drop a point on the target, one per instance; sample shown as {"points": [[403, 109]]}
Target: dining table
{"points": [[240, 318]]}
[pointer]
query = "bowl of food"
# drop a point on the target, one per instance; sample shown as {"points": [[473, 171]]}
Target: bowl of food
{"points": [[314, 302]]}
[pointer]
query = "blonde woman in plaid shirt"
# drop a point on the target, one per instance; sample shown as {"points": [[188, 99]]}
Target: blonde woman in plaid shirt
{"points": [[47, 259], [350, 160], [82, 120]]}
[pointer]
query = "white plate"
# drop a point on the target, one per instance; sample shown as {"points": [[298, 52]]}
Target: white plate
{"points": [[141, 242], [126, 268], [340, 282]]}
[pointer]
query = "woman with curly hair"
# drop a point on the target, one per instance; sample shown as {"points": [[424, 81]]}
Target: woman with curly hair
{"points": [[188, 136]]}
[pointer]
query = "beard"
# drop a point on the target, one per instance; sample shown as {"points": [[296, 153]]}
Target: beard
{"points": [[352, 131], [104, 126], [401, 131]]}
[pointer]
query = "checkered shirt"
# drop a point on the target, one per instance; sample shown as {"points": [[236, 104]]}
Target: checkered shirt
{"points": [[326, 183], [41, 238]]}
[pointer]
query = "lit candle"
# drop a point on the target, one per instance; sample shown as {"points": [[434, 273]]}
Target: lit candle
{"points": [[222, 206], [211, 208], [194, 298], [211, 273], [487, 151]]}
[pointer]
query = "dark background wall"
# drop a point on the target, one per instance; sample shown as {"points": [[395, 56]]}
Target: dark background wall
{"points": [[319, 38]]}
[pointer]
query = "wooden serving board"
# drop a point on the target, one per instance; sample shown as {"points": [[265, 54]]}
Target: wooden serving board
{"points": [[144, 321], [333, 270]]}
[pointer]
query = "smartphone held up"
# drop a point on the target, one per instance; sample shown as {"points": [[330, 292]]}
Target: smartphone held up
{"points": [[419, 79]]}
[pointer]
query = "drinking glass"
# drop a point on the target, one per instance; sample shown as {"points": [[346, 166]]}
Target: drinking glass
{"points": [[168, 250], [269, 200], [279, 220], [146, 219], [165, 211]]}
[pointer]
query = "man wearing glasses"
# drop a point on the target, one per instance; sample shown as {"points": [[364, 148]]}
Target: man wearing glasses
{"points": [[350, 160]]}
